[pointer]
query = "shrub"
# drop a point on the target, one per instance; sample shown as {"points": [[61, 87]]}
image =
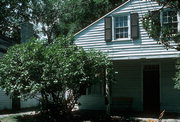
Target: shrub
{"points": [[59, 72]]}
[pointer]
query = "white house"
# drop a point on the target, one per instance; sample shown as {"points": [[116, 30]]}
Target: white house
{"points": [[144, 69]]}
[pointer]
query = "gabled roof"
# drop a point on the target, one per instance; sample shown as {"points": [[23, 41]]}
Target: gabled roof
{"points": [[101, 18]]}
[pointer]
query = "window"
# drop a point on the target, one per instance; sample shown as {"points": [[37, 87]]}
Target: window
{"points": [[121, 28], [169, 20]]}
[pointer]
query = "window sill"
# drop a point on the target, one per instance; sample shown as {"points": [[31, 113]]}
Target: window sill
{"points": [[123, 39]]}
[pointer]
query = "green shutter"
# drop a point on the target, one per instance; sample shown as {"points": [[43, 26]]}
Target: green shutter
{"points": [[134, 26], [108, 29]]}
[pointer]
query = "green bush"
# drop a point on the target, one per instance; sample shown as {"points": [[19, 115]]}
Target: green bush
{"points": [[58, 72]]}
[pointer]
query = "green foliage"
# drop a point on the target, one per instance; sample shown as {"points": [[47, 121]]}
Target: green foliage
{"points": [[59, 72], [175, 4], [151, 23], [177, 76], [20, 68], [162, 34], [52, 18], [47, 15], [78, 14], [13, 12]]}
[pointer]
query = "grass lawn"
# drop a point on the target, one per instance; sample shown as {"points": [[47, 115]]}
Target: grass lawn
{"points": [[19, 118], [9, 119]]}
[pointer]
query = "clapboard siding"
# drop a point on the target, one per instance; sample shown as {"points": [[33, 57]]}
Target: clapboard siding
{"points": [[92, 102], [5, 101], [29, 103], [170, 97], [144, 47], [128, 82], [129, 57]]}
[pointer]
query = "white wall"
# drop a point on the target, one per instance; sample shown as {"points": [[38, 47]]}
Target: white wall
{"points": [[144, 47], [129, 83], [5, 101], [92, 102], [170, 97], [29, 103]]}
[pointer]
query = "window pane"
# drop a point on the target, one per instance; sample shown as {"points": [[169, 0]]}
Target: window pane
{"points": [[121, 18], [174, 19], [165, 20], [164, 13], [125, 23], [121, 24], [125, 18], [116, 20], [174, 28], [117, 36], [169, 19], [121, 35], [126, 30], [117, 31], [121, 30], [174, 25], [116, 24], [126, 35]]}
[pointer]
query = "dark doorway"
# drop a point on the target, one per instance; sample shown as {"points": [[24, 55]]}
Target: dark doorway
{"points": [[151, 88], [16, 102]]}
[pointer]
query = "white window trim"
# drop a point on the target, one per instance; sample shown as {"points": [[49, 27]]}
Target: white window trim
{"points": [[178, 19], [113, 27]]}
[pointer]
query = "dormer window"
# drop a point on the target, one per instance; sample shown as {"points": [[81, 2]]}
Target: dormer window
{"points": [[121, 27]]}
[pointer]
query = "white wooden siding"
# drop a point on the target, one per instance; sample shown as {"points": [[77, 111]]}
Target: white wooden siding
{"points": [[129, 83], [170, 97], [144, 47], [29, 103], [94, 98], [129, 57], [5, 101], [92, 102]]}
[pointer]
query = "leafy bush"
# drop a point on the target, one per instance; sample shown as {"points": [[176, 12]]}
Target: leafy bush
{"points": [[177, 76], [59, 73]]}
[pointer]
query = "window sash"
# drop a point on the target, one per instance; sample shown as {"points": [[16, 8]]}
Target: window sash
{"points": [[170, 20], [121, 32], [169, 17], [121, 27]]}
